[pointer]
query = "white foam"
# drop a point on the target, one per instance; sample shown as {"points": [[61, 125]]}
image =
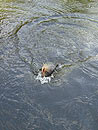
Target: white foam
{"points": [[43, 80]]}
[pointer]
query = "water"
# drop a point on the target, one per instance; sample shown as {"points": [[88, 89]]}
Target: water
{"points": [[33, 32]]}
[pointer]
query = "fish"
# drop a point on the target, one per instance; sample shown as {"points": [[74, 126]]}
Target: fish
{"points": [[47, 69]]}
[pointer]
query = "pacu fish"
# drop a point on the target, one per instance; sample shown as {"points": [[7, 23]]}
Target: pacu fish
{"points": [[48, 69]]}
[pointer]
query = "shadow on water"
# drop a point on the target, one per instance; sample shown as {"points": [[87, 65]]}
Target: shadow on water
{"points": [[58, 31]]}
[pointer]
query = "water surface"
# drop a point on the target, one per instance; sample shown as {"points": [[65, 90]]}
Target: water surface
{"points": [[33, 32]]}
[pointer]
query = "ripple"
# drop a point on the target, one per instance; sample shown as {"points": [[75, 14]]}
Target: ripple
{"points": [[91, 68], [58, 31]]}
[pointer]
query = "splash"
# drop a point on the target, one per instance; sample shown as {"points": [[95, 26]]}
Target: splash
{"points": [[44, 80]]}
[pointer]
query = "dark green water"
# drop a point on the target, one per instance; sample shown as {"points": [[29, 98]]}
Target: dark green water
{"points": [[33, 32]]}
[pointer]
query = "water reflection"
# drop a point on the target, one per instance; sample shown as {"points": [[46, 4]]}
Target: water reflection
{"points": [[58, 31]]}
